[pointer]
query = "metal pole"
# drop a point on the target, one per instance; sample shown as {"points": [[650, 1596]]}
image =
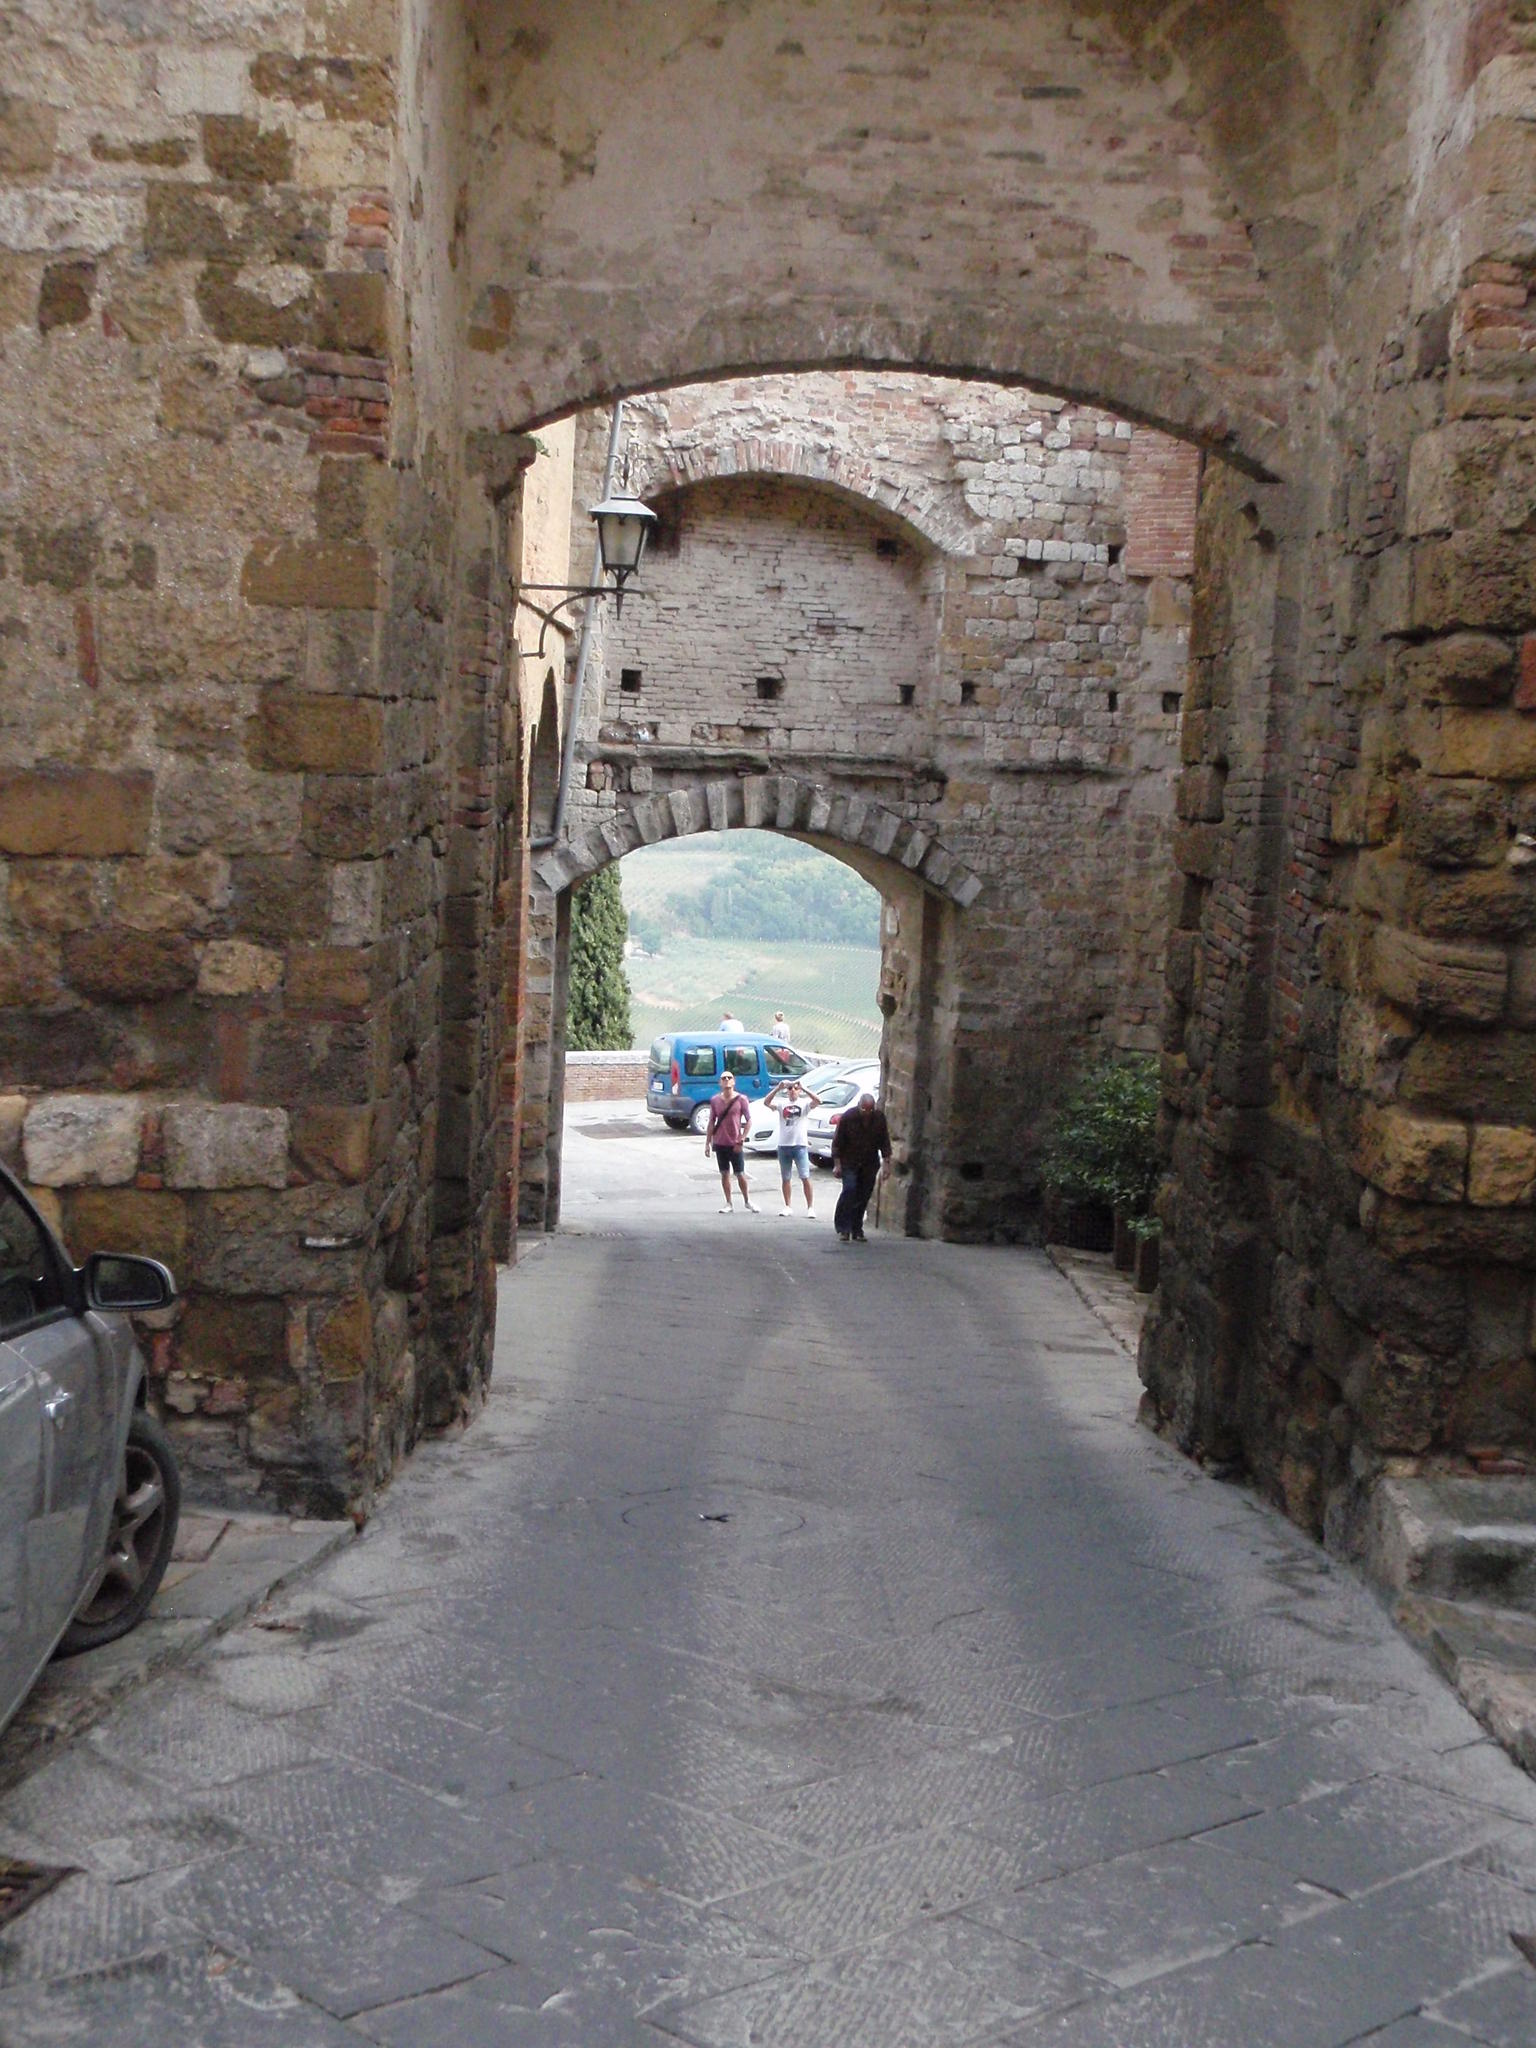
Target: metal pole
{"points": [[583, 648]]}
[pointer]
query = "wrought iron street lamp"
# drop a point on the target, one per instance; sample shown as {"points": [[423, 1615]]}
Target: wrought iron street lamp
{"points": [[623, 527]]}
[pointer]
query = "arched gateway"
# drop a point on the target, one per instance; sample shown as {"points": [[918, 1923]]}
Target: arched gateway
{"points": [[283, 291]]}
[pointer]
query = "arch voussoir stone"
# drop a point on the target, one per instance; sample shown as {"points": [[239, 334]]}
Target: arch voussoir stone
{"points": [[782, 803]]}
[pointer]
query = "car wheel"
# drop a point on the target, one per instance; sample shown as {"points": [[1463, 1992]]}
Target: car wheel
{"points": [[698, 1123], [139, 1541], [675, 1123]]}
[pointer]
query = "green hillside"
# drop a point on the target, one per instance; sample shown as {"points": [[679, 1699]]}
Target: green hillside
{"points": [[827, 993]]}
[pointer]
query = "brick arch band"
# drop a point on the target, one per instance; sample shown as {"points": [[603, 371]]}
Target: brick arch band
{"points": [[775, 803], [943, 526]]}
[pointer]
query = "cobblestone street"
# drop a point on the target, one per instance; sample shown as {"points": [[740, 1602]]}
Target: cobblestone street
{"points": [[805, 1649]]}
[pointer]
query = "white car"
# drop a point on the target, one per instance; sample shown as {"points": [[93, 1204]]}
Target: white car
{"points": [[763, 1131], [838, 1095]]}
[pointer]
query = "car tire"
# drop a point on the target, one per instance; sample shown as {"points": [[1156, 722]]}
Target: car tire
{"points": [[139, 1542], [675, 1123], [698, 1123]]}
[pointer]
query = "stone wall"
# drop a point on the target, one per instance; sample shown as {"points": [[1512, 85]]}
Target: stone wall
{"points": [[244, 651], [1348, 1284], [914, 592]]}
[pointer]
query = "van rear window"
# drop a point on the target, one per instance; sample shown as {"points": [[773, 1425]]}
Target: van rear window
{"points": [[698, 1060], [661, 1054], [782, 1061]]}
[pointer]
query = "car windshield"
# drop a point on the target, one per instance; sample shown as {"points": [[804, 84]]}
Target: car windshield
{"points": [[836, 1093]]}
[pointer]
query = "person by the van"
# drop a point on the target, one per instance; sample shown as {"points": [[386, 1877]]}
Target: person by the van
{"points": [[730, 1115], [861, 1155], [730, 1022], [779, 1028], [791, 1105]]}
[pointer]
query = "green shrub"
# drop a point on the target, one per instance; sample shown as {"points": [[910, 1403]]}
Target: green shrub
{"points": [[1103, 1142]]}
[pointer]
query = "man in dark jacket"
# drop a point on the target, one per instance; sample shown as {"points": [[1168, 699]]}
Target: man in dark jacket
{"points": [[861, 1155]]}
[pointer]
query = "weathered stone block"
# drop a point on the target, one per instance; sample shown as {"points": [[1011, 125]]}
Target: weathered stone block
{"points": [[164, 892], [232, 1340], [29, 132], [64, 296], [1421, 1158], [1502, 1173], [1485, 581], [1433, 978], [1200, 797], [225, 1145], [55, 895], [234, 967], [13, 1114], [1484, 1076], [332, 977], [319, 574], [72, 1139], [249, 1242], [351, 312], [1453, 824], [126, 1219], [1522, 989], [334, 1143], [344, 1339], [325, 735], [115, 964], [84, 812], [343, 88], [230, 806], [238, 148], [1497, 745]]}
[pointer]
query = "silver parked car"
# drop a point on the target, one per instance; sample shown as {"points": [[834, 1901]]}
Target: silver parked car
{"points": [[89, 1492]]}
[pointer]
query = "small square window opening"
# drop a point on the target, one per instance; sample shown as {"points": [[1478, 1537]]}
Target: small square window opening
{"points": [[1171, 702], [769, 687], [629, 682], [908, 693]]}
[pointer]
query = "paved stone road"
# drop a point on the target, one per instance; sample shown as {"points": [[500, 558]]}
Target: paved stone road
{"points": [[805, 1648]]}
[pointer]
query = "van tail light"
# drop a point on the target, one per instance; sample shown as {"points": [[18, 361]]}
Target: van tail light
{"points": [[676, 1076]]}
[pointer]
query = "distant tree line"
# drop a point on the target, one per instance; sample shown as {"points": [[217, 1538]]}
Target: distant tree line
{"points": [[799, 895]]}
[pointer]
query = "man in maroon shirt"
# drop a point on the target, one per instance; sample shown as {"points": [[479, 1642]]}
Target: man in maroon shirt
{"points": [[861, 1155], [730, 1118]]}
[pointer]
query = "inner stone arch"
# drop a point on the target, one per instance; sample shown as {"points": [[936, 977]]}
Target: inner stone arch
{"points": [[985, 729], [925, 894]]}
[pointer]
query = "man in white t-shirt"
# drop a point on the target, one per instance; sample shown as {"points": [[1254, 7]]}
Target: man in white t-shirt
{"points": [[791, 1105], [730, 1022]]}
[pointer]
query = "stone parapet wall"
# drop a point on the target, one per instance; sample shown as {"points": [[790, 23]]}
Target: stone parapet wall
{"points": [[604, 1076]]}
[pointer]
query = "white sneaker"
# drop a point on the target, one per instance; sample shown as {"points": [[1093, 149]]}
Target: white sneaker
{"points": [[785, 1211], [749, 1205], [726, 1208], [810, 1214]]}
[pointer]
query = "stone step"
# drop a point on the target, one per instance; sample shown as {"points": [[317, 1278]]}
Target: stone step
{"points": [[1460, 1539]]}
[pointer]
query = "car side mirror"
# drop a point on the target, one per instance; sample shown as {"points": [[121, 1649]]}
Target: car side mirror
{"points": [[116, 1282]]}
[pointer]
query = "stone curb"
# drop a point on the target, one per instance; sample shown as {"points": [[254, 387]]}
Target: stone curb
{"points": [[230, 1564], [1489, 1655], [1106, 1294]]}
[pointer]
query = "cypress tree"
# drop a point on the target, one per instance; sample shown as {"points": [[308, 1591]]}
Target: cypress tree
{"points": [[598, 1013]]}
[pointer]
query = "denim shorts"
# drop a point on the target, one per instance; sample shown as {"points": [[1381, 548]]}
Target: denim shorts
{"points": [[794, 1159]]}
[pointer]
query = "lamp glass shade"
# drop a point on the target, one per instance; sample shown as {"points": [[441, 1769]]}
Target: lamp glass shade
{"points": [[622, 526]]}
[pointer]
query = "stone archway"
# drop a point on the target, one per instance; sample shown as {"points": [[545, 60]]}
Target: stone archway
{"points": [[924, 887]]}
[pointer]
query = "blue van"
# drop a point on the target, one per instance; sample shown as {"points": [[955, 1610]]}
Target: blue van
{"points": [[685, 1068]]}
